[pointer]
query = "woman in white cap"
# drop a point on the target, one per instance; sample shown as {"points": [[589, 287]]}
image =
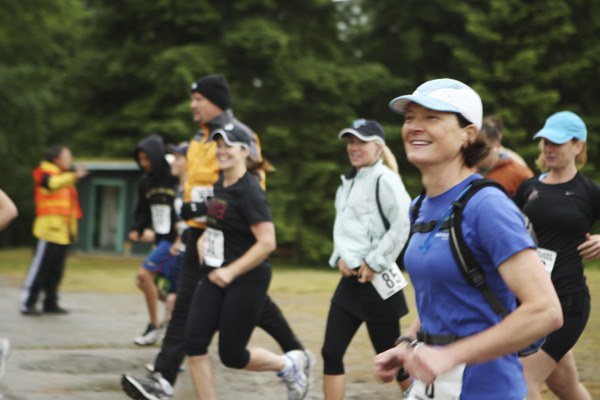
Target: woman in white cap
{"points": [[459, 347], [563, 205], [234, 248], [371, 228]]}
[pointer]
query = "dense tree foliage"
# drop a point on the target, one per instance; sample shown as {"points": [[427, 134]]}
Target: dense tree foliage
{"points": [[527, 60], [99, 75], [37, 40]]}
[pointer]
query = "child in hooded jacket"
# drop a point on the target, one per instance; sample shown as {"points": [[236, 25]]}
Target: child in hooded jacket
{"points": [[155, 221]]}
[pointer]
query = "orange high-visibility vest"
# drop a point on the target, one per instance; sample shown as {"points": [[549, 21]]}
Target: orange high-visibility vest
{"points": [[62, 201]]}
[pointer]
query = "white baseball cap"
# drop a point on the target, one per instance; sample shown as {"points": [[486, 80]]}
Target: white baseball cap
{"points": [[447, 95]]}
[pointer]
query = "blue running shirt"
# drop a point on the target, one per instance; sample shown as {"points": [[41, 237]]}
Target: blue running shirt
{"points": [[494, 229]]}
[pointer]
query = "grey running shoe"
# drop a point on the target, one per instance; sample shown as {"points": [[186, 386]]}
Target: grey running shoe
{"points": [[150, 336], [4, 351], [155, 387], [31, 311], [55, 310], [296, 377]]}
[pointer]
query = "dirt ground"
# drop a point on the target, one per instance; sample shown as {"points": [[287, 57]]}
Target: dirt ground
{"points": [[81, 356]]}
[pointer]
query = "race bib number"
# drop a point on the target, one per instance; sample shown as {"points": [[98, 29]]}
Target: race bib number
{"points": [[548, 257], [389, 282], [161, 218], [214, 248], [200, 194], [447, 386]]}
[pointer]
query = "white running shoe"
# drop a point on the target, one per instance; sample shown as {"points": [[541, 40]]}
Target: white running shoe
{"points": [[4, 351], [155, 387], [310, 363], [151, 336], [296, 377]]}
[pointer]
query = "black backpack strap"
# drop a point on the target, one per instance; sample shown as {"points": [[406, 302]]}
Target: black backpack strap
{"points": [[414, 210], [386, 223], [413, 214], [463, 255]]}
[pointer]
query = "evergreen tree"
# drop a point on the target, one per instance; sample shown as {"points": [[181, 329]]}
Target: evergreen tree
{"points": [[526, 60], [290, 81], [37, 42]]}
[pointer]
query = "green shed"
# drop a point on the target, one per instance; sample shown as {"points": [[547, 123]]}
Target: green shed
{"points": [[108, 197]]}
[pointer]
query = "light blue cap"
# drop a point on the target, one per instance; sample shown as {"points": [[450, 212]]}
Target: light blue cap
{"points": [[562, 127], [446, 95]]}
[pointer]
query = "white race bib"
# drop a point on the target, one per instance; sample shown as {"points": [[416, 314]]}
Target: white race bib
{"points": [[161, 218], [447, 386], [200, 194], [389, 282], [214, 248], [548, 257]]}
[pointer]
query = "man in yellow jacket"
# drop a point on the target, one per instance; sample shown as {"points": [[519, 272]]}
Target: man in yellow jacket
{"points": [[55, 228], [211, 109]]}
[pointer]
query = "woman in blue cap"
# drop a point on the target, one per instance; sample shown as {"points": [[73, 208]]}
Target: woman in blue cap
{"points": [[463, 348], [563, 205]]}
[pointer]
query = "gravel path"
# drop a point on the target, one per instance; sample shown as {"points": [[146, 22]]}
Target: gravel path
{"points": [[81, 356]]}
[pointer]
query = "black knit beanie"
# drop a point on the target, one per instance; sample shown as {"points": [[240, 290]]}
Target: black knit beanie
{"points": [[215, 88]]}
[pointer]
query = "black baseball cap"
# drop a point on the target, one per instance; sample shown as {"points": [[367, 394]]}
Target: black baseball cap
{"points": [[366, 130], [233, 135]]}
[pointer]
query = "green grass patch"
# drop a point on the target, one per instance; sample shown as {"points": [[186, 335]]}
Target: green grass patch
{"points": [[83, 273], [116, 274]]}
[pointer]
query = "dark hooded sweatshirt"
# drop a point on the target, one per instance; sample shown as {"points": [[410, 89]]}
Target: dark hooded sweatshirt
{"points": [[156, 192]]}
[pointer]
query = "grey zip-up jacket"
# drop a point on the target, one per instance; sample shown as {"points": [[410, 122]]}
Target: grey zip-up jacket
{"points": [[359, 232]]}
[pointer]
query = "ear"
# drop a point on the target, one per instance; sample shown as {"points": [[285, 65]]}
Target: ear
{"points": [[471, 133], [578, 147]]}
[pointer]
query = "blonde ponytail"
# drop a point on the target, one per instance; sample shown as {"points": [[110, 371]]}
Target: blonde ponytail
{"points": [[388, 158]]}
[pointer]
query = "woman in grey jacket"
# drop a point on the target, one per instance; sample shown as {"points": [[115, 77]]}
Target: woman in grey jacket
{"points": [[370, 230]]}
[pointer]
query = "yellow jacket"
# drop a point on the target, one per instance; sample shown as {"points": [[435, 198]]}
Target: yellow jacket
{"points": [[202, 172]]}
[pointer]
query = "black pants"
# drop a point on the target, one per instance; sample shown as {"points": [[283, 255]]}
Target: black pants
{"points": [[173, 348], [45, 274], [233, 311], [576, 312], [341, 328]]}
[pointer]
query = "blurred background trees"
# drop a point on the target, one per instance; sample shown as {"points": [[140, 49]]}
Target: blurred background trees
{"points": [[99, 75]]}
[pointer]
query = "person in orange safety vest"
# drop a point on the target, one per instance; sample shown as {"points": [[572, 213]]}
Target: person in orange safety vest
{"points": [[57, 210]]}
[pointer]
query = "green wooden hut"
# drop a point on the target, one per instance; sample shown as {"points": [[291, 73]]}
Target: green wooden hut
{"points": [[108, 197]]}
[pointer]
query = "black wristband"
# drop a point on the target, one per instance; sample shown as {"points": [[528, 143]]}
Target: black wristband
{"points": [[403, 338], [402, 375]]}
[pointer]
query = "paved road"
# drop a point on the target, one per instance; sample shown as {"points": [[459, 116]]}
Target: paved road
{"points": [[81, 356]]}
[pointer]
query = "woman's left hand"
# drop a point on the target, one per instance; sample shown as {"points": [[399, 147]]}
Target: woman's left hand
{"points": [[365, 274], [590, 249], [221, 277]]}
